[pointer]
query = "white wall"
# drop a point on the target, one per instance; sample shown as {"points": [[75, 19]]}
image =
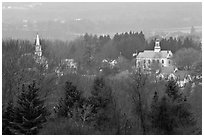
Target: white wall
{"points": [[165, 64]]}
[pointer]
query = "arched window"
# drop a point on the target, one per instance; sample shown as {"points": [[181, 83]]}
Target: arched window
{"points": [[162, 61]]}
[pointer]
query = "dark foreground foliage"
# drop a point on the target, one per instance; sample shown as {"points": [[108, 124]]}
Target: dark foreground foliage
{"points": [[29, 114], [7, 119], [171, 114]]}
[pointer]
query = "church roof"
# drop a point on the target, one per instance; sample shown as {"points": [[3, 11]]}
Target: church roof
{"points": [[152, 54]]}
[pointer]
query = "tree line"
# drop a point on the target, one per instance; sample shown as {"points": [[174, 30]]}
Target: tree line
{"points": [[89, 50]]}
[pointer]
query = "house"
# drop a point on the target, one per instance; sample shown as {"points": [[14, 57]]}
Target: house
{"points": [[69, 64], [182, 77], [108, 63], [145, 59], [66, 66], [58, 72]]}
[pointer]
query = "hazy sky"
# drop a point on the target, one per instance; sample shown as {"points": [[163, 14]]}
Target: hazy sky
{"points": [[69, 19]]}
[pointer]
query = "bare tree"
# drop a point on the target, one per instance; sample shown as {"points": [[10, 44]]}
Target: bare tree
{"points": [[138, 84]]}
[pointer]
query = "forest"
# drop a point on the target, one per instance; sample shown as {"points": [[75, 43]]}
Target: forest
{"points": [[120, 100]]}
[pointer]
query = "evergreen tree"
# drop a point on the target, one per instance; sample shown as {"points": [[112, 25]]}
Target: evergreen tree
{"points": [[72, 99], [30, 112], [128, 43], [101, 100], [7, 119], [172, 90]]}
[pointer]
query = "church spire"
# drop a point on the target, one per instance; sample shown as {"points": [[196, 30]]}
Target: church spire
{"points": [[38, 50], [37, 40]]}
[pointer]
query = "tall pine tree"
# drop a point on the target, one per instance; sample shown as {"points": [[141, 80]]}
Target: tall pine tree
{"points": [[30, 112]]}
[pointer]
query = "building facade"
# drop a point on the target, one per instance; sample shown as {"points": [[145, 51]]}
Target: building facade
{"points": [[146, 58]]}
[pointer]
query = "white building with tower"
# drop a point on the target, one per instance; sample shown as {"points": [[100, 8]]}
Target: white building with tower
{"points": [[145, 59]]}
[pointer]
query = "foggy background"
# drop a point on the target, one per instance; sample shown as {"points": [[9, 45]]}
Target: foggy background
{"points": [[66, 21]]}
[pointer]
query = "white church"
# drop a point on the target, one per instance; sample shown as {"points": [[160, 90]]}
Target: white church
{"points": [[147, 57]]}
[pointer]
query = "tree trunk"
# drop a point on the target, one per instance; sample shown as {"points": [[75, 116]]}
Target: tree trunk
{"points": [[141, 115]]}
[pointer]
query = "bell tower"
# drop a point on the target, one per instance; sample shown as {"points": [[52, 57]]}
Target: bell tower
{"points": [[38, 49], [157, 47]]}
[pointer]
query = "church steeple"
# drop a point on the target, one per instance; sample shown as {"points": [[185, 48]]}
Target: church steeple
{"points": [[157, 47], [37, 42], [38, 50]]}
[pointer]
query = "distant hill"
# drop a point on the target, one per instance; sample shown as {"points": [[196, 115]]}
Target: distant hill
{"points": [[68, 20]]}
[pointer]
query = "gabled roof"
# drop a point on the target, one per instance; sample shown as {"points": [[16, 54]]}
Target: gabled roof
{"points": [[152, 54], [170, 70]]}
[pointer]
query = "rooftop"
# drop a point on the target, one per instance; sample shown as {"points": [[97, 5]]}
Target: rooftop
{"points": [[152, 54], [170, 70]]}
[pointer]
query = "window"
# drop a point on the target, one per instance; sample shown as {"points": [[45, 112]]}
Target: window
{"points": [[162, 61], [157, 61], [139, 63], [144, 61], [149, 61], [153, 61], [169, 62]]}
